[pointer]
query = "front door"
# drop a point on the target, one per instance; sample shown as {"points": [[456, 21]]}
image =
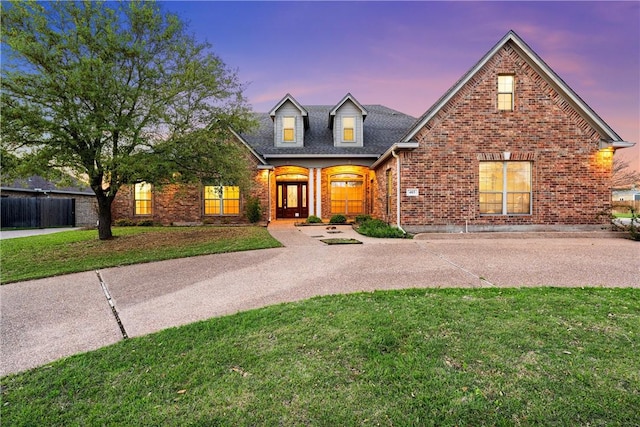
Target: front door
{"points": [[292, 200]]}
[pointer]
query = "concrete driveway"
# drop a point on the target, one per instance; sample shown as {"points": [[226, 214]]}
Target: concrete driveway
{"points": [[14, 234], [44, 320]]}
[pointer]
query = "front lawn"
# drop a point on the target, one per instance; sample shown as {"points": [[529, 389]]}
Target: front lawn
{"points": [[73, 251], [448, 357]]}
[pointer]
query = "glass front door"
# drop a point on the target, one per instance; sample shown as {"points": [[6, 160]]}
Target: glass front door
{"points": [[292, 200]]}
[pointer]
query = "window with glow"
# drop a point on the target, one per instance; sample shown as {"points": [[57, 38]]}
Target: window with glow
{"points": [[505, 188], [142, 198], [288, 129], [221, 200], [348, 129], [347, 194], [505, 93]]}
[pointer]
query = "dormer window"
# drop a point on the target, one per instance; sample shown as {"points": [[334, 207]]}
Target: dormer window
{"points": [[505, 93], [290, 122], [346, 122], [348, 129], [288, 129]]}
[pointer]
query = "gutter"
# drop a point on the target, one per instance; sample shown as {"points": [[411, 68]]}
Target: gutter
{"points": [[602, 145], [397, 146], [318, 156]]}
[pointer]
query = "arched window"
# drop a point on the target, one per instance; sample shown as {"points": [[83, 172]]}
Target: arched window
{"points": [[292, 177], [347, 194]]}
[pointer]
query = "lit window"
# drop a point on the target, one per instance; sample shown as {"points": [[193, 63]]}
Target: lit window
{"points": [[505, 93], [221, 200], [288, 129], [348, 129], [142, 197], [505, 188], [347, 194]]}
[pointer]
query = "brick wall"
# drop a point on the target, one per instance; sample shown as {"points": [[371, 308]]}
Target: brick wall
{"points": [[570, 180], [184, 204]]}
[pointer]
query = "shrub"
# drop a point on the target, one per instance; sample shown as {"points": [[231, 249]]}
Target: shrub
{"points": [[633, 228], [363, 218], [634, 225], [338, 219], [313, 220], [145, 223], [379, 228], [124, 222], [253, 210]]}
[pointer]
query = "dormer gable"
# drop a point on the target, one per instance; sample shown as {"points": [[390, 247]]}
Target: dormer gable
{"points": [[346, 120], [290, 120]]}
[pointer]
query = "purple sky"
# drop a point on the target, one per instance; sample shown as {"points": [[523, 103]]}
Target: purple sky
{"points": [[405, 55]]}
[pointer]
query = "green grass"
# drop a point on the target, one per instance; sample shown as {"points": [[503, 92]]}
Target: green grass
{"points": [[74, 251], [451, 357], [623, 215]]}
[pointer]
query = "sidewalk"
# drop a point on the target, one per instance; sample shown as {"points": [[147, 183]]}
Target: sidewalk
{"points": [[12, 234], [44, 320]]}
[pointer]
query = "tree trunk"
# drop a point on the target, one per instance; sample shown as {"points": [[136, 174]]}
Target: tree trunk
{"points": [[104, 217]]}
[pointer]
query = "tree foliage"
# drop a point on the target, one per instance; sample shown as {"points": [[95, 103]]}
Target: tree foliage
{"points": [[118, 92]]}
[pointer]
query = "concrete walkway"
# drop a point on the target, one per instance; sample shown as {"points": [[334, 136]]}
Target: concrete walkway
{"points": [[44, 320], [13, 234]]}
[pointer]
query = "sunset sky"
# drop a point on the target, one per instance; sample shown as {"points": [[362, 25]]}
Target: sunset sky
{"points": [[405, 55]]}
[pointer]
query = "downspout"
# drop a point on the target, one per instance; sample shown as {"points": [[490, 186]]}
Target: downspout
{"points": [[269, 193], [395, 156]]}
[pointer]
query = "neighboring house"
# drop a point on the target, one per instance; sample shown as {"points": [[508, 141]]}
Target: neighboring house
{"points": [[509, 147], [82, 202], [626, 195]]}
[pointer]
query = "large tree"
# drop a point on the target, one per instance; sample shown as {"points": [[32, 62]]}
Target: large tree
{"points": [[118, 93], [622, 176]]}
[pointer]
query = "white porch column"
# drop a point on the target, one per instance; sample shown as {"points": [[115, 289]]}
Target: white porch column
{"points": [[311, 192], [319, 192]]}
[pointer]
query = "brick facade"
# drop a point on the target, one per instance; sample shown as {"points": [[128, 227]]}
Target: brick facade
{"points": [[439, 157], [570, 177], [184, 204]]}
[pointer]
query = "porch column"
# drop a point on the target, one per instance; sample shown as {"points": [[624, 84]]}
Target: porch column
{"points": [[311, 192], [319, 192]]}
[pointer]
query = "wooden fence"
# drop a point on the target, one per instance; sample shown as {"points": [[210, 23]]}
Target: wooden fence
{"points": [[622, 206], [37, 212]]}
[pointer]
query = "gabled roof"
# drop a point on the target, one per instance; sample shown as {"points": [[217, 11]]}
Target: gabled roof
{"points": [[544, 70], [303, 112], [347, 97]]}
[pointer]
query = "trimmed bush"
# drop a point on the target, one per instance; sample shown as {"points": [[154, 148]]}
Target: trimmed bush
{"points": [[379, 228], [145, 223], [253, 210], [313, 220], [338, 219], [124, 222], [363, 218]]}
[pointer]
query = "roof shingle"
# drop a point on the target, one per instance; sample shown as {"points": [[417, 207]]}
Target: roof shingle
{"points": [[383, 127]]}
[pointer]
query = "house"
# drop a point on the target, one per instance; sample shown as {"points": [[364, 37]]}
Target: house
{"points": [[37, 202], [509, 147], [626, 195]]}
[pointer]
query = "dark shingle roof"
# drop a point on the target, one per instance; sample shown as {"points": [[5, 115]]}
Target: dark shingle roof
{"points": [[382, 128]]}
